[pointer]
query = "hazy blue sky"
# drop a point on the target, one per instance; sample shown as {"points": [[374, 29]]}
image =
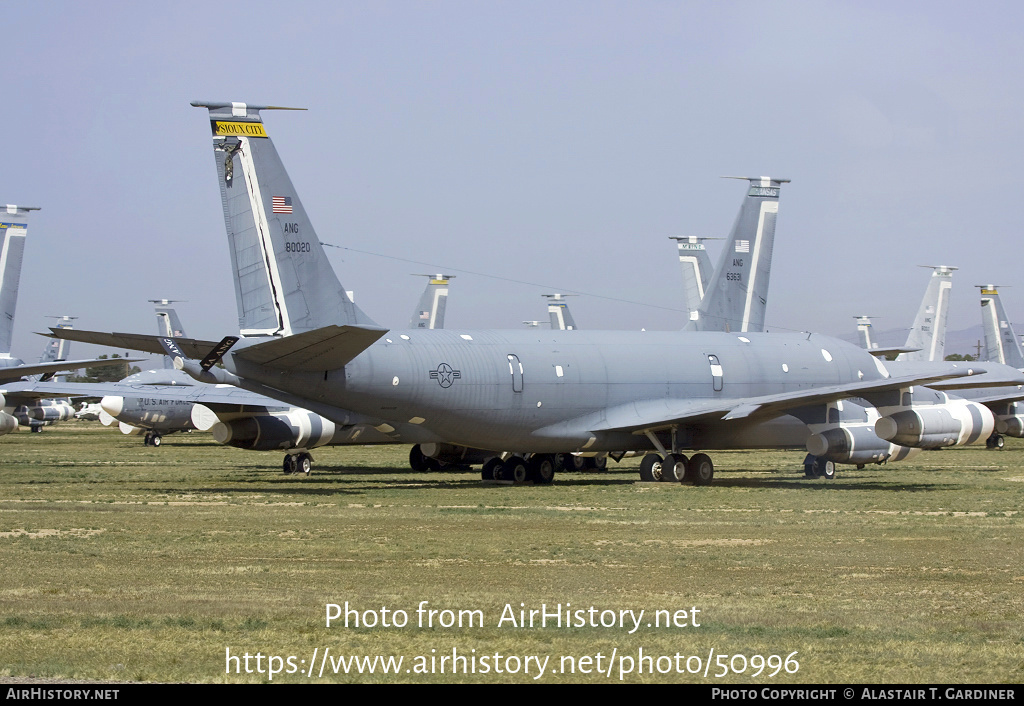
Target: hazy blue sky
{"points": [[557, 143]]}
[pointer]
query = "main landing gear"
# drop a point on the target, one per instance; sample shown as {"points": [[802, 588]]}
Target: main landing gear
{"points": [[996, 441], [298, 463], [816, 467], [152, 438], [539, 468], [676, 467]]}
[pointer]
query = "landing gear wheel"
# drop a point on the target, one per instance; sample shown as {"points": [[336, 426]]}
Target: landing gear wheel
{"points": [[651, 468], [542, 468], [304, 463], [147, 439], [490, 469], [701, 469], [290, 465], [155, 439], [676, 468], [825, 469], [599, 463], [514, 469], [996, 441], [578, 463], [563, 462], [417, 461]]}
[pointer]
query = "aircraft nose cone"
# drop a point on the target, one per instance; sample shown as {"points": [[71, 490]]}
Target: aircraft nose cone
{"points": [[112, 405]]}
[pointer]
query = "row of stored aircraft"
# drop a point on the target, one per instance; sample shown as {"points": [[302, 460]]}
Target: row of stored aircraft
{"points": [[521, 397], [753, 406]]}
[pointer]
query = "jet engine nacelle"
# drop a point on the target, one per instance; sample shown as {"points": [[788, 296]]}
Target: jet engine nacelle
{"points": [[7, 423], [954, 422], [451, 453], [49, 411], [294, 429], [857, 445], [1010, 419]]}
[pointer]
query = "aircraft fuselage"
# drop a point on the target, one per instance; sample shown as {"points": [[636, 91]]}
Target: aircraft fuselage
{"points": [[545, 391]]}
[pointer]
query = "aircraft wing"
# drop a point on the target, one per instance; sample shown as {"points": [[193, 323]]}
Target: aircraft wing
{"points": [[651, 415], [192, 347], [20, 371], [207, 394]]}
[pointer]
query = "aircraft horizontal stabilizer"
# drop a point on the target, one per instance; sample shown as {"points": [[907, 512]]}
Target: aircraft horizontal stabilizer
{"points": [[882, 352], [191, 347], [327, 348]]}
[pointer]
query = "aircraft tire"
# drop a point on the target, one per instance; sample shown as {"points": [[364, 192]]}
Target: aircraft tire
{"points": [[289, 464], [562, 462], [155, 441], [304, 463], [703, 469], [825, 469], [417, 461], [996, 441], [651, 468], [599, 463], [542, 468], [515, 469], [676, 468], [490, 469], [578, 463]]}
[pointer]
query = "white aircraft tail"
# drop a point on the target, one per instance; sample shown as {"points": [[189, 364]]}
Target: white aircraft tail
{"points": [[284, 283], [1001, 343], [559, 314], [696, 265], [737, 296], [13, 227], [928, 335], [430, 311]]}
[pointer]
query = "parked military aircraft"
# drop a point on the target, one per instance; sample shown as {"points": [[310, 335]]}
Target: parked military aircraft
{"points": [[13, 230], [1001, 346], [307, 343]]}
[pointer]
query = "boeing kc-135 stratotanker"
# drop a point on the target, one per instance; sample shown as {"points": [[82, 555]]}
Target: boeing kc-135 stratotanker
{"points": [[539, 392]]}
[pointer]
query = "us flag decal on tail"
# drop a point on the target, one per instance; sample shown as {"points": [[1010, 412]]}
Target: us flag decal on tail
{"points": [[281, 204]]}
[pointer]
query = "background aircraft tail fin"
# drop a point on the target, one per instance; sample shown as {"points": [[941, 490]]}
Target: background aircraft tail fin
{"points": [[284, 283], [168, 325], [737, 295], [1001, 343], [13, 227], [558, 312], [929, 332], [864, 333], [430, 311], [696, 264]]}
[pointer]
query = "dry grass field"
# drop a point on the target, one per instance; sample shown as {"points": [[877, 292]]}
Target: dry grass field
{"points": [[125, 562]]}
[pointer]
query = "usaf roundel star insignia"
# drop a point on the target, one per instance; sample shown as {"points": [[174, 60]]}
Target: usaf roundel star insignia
{"points": [[445, 375]]}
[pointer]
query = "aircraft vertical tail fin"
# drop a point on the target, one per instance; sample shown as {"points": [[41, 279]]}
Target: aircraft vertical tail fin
{"points": [[864, 332], [13, 227], [696, 264], [430, 311], [928, 335], [558, 312], [168, 325], [1001, 343], [57, 348], [737, 295], [284, 283]]}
